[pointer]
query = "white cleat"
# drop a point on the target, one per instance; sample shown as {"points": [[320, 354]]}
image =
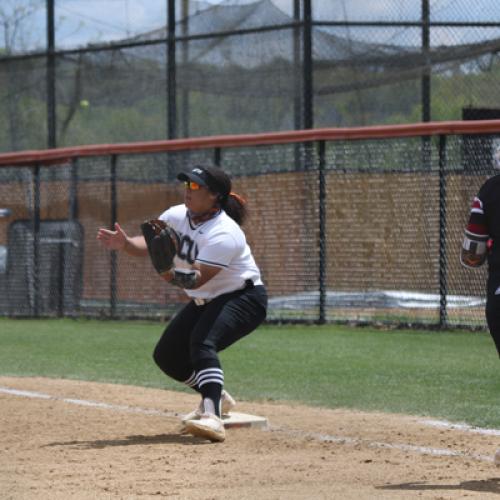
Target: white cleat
{"points": [[227, 403], [194, 415], [208, 426]]}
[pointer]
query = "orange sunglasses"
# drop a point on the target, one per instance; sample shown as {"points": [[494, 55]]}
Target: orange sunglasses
{"points": [[193, 186]]}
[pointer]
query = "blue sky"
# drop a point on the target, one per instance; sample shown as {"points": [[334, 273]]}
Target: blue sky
{"points": [[80, 22]]}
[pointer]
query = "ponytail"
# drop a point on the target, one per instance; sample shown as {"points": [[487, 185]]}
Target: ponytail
{"points": [[235, 206], [219, 183]]}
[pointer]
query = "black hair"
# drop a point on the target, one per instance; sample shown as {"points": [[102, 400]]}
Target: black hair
{"points": [[233, 204], [236, 208]]}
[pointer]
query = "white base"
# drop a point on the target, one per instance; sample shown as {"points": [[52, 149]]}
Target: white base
{"points": [[234, 420]]}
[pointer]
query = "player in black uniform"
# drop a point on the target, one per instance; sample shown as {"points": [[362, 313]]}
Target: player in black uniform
{"points": [[481, 243]]}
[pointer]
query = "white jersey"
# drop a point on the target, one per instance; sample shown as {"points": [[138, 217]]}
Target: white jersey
{"points": [[218, 242]]}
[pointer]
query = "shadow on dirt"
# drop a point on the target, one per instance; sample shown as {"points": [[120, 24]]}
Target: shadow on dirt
{"points": [[483, 485], [133, 441]]}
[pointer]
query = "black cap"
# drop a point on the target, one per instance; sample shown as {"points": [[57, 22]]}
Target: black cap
{"points": [[197, 175], [211, 177]]}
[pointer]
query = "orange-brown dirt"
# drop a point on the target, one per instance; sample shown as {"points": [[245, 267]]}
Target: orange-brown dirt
{"points": [[58, 449]]}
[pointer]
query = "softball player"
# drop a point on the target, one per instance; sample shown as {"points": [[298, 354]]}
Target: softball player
{"points": [[482, 242], [215, 267]]}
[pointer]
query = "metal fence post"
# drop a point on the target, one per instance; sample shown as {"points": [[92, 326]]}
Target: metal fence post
{"points": [[443, 263], [113, 254], [307, 76], [297, 84], [297, 80], [51, 77], [322, 233], [425, 84], [185, 19], [426, 75], [171, 73], [307, 67], [217, 156], [73, 208], [61, 254], [36, 241]]}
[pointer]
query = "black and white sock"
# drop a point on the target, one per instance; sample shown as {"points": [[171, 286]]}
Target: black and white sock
{"points": [[191, 382], [210, 382]]}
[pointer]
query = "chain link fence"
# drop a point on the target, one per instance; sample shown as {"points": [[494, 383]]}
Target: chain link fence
{"points": [[344, 229], [204, 68]]}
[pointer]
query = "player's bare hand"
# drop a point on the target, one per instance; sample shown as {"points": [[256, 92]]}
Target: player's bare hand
{"points": [[113, 240]]}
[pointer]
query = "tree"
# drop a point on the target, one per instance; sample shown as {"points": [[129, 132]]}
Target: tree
{"points": [[15, 32], [14, 17]]}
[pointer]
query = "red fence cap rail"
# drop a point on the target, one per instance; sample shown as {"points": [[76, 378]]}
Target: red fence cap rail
{"points": [[63, 155]]}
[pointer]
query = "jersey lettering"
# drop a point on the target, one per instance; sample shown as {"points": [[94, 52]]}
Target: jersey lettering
{"points": [[232, 255], [188, 249]]}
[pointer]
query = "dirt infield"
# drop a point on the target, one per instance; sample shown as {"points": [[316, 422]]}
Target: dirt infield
{"points": [[68, 440]]}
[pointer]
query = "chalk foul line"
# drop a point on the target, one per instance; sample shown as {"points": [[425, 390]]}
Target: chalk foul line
{"points": [[83, 402], [443, 424]]}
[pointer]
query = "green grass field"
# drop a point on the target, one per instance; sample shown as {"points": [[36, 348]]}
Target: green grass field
{"points": [[452, 375]]}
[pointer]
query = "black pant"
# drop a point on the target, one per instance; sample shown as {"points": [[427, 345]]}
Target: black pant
{"points": [[493, 308], [196, 334]]}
